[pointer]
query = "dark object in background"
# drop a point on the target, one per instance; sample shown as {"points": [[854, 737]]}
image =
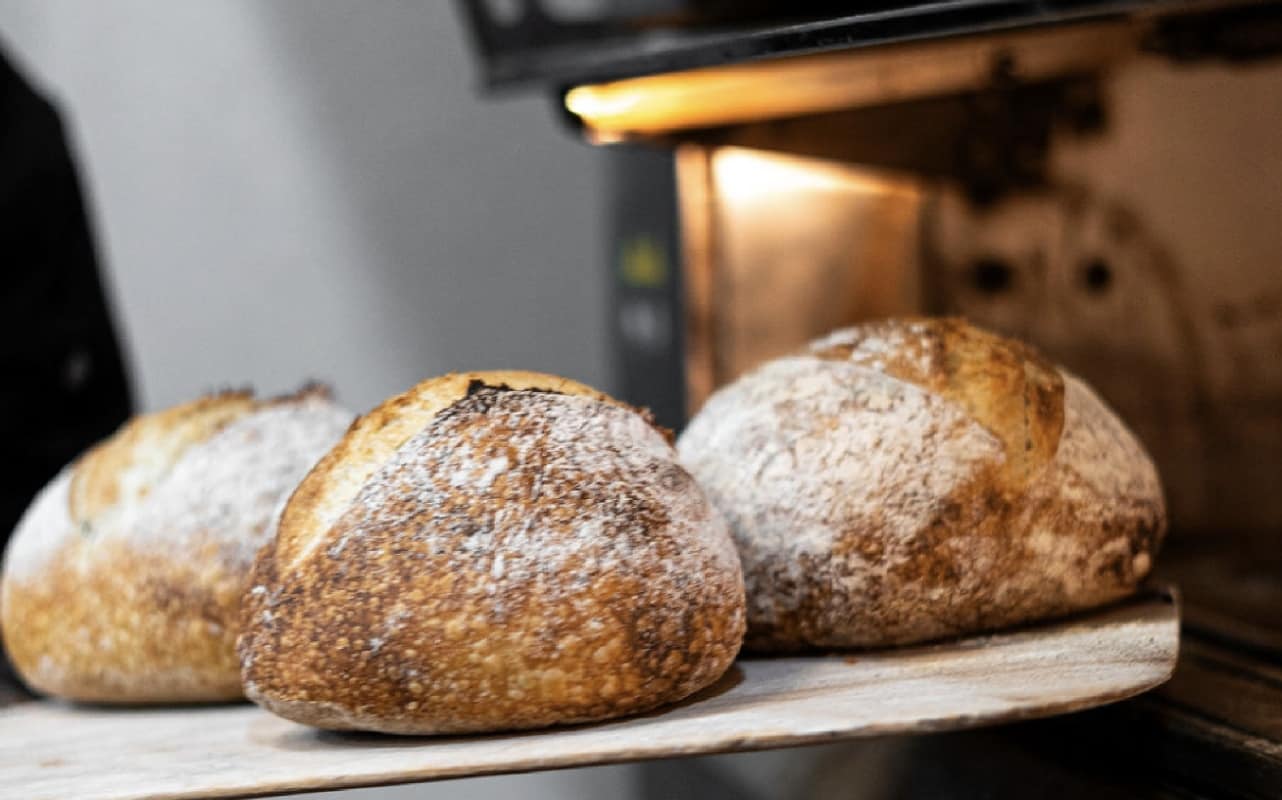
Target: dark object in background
{"points": [[646, 298], [523, 43], [64, 384]]}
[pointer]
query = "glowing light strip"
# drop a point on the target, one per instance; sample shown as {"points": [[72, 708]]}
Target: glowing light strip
{"points": [[784, 87]]}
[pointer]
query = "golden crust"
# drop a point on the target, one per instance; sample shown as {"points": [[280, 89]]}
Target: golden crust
{"points": [[137, 628], [914, 479], [330, 487], [520, 551], [152, 443], [123, 582], [1003, 384]]}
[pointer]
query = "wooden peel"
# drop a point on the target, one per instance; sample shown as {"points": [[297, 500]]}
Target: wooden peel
{"points": [[54, 750]]}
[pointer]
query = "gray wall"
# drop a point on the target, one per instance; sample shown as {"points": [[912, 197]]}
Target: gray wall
{"points": [[307, 188], [311, 189]]}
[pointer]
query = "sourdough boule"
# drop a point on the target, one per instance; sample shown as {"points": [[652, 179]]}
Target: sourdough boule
{"points": [[492, 551], [914, 479], [123, 581]]}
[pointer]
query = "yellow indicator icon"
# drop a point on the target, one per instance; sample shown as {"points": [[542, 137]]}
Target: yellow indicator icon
{"points": [[643, 264]]}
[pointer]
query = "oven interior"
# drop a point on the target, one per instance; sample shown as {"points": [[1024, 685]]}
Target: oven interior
{"points": [[1103, 180]]}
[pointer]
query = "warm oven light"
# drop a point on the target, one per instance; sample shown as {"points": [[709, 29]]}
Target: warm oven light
{"points": [[600, 102], [745, 175], [782, 87]]}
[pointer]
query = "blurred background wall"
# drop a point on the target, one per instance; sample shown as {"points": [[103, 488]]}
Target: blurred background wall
{"points": [[314, 189]]}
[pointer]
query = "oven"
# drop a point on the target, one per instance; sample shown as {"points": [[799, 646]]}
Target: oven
{"points": [[1102, 179]]}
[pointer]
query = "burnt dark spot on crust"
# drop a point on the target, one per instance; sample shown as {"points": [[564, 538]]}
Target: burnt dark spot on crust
{"points": [[312, 389], [477, 385], [1118, 569], [1148, 532]]}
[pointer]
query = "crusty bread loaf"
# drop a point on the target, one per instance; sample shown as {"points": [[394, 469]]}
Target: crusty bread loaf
{"points": [[123, 581], [492, 551], [914, 479]]}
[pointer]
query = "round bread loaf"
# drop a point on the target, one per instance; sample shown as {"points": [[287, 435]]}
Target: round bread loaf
{"points": [[123, 581], [492, 551], [915, 479]]}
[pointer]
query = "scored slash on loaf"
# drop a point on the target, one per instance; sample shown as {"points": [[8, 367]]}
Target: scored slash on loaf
{"points": [[492, 551]]}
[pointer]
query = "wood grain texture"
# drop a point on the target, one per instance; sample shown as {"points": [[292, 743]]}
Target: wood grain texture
{"points": [[54, 750]]}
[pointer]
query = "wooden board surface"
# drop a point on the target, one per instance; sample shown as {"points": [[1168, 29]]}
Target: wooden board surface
{"points": [[56, 750]]}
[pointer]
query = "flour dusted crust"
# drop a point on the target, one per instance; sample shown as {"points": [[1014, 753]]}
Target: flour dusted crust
{"points": [[915, 479], [123, 581], [492, 551]]}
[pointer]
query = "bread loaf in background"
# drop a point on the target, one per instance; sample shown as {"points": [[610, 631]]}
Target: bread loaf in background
{"points": [[123, 581], [492, 551], [913, 479]]}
